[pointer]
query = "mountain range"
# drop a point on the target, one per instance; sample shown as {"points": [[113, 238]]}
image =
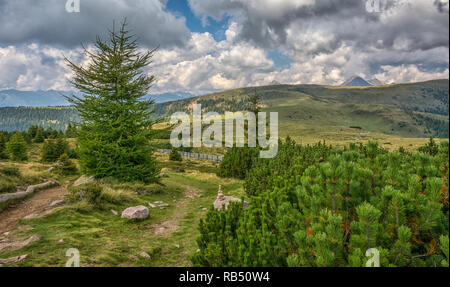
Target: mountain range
{"points": [[52, 98], [404, 110]]}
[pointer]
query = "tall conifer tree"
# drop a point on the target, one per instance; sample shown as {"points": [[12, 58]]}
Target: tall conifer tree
{"points": [[114, 134]]}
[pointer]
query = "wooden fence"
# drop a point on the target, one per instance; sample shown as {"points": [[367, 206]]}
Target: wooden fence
{"points": [[210, 157]]}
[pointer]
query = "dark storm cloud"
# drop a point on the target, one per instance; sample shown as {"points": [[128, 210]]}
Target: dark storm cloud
{"points": [[435, 60], [47, 22], [259, 25], [441, 5]]}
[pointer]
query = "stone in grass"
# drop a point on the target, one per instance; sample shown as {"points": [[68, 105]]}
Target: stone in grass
{"points": [[152, 205], [136, 213], [163, 175], [177, 245], [160, 204], [13, 260], [19, 244], [114, 212], [223, 201], [57, 203], [145, 255]]}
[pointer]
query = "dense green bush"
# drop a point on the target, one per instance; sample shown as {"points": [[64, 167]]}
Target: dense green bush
{"points": [[52, 150], [71, 130], [90, 192], [291, 159], [39, 137], [6, 186], [323, 206], [431, 148], [237, 162], [8, 179], [17, 147], [65, 166], [94, 191], [3, 141], [175, 155], [10, 171]]}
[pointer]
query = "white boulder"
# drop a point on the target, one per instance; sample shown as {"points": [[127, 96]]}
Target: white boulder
{"points": [[136, 212]]}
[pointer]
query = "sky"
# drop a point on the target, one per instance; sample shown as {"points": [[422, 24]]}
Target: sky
{"points": [[207, 46]]}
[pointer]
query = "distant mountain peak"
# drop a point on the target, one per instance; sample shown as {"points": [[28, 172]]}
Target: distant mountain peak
{"points": [[375, 82], [356, 81], [40, 98]]}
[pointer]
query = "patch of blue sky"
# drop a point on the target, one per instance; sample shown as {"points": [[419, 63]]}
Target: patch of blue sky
{"points": [[280, 59], [215, 28]]}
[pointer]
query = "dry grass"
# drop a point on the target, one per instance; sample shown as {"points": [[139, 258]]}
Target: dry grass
{"points": [[117, 196]]}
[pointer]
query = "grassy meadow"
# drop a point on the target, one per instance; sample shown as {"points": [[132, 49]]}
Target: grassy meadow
{"points": [[105, 239]]}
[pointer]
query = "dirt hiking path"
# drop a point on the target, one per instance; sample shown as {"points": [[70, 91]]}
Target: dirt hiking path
{"points": [[34, 206], [167, 227]]}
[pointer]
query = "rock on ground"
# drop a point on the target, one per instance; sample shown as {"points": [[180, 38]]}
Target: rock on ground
{"points": [[136, 212], [13, 259], [144, 255], [158, 204], [30, 190], [57, 203], [222, 201], [19, 244], [219, 204]]}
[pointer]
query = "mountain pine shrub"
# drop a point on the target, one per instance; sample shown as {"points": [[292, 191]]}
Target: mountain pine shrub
{"points": [[324, 206], [431, 148], [175, 155], [237, 161]]}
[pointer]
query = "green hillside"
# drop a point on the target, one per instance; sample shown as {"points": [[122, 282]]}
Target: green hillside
{"points": [[406, 110], [325, 112], [21, 118]]}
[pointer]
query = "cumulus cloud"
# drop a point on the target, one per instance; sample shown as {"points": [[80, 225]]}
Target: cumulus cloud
{"points": [[268, 22], [48, 22], [442, 5], [326, 41], [206, 65], [407, 73], [35, 67]]}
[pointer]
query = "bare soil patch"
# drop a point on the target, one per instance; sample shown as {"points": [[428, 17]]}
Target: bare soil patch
{"points": [[35, 206]]}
